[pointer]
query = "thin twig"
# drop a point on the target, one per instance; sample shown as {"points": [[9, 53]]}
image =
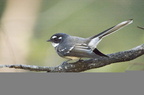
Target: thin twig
{"points": [[140, 27]]}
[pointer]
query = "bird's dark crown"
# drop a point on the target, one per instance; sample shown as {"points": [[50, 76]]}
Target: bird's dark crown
{"points": [[57, 38]]}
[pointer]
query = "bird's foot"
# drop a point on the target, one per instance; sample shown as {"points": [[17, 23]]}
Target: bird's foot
{"points": [[80, 60], [65, 62]]}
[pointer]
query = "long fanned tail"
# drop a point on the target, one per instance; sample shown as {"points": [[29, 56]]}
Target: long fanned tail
{"points": [[113, 29], [94, 40]]}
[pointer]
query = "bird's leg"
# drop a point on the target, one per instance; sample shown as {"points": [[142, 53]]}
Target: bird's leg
{"points": [[80, 60], [65, 62]]}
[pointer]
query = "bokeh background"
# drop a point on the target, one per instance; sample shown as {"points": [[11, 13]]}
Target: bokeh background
{"points": [[25, 25]]}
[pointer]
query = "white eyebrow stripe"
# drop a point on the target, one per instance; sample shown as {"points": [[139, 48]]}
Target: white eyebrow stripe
{"points": [[54, 37]]}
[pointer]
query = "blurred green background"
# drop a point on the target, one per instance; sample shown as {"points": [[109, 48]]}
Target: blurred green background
{"points": [[85, 18]]}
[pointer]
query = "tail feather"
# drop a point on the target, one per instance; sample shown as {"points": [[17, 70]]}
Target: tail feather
{"points": [[96, 51], [113, 29], [94, 40]]}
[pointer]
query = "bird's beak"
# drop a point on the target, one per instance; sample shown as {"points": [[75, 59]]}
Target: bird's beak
{"points": [[49, 40]]}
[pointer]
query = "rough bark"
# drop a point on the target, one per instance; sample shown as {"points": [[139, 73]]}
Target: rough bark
{"points": [[84, 65]]}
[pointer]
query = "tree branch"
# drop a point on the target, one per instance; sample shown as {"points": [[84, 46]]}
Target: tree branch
{"points": [[140, 27], [84, 65]]}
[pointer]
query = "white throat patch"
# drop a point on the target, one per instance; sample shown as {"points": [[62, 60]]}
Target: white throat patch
{"points": [[55, 44]]}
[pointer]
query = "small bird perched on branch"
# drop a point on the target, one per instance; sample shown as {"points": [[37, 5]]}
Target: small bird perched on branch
{"points": [[73, 47]]}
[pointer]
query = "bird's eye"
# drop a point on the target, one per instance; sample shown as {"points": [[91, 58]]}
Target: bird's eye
{"points": [[56, 39]]}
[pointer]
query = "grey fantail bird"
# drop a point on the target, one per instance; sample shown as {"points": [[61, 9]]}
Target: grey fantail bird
{"points": [[73, 47]]}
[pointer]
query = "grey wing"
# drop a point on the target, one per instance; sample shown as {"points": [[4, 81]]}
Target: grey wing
{"points": [[81, 50]]}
